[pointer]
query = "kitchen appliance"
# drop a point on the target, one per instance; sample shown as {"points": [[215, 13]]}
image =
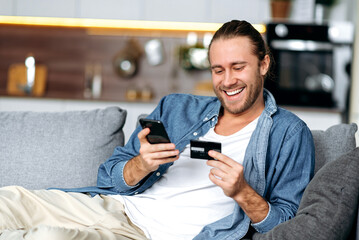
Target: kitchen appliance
{"points": [[154, 52], [312, 64], [126, 62]]}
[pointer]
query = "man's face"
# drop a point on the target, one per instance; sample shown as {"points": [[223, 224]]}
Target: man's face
{"points": [[237, 74]]}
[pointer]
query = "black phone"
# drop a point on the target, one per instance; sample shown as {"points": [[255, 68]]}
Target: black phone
{"points": [[158, 132]]}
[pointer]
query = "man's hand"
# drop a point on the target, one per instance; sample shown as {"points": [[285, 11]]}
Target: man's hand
{"points": [[228, 174], [150, 158]]}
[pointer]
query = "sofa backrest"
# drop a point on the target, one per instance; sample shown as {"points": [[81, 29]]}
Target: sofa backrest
{"points": [[330, 145], [57, 149], [333, 143]]}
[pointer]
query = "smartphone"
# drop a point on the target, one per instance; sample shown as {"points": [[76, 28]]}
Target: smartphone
{"points": [[158, 132]]}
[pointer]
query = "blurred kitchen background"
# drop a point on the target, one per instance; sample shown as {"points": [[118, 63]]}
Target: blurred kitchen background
{"points": [[86, 54]]}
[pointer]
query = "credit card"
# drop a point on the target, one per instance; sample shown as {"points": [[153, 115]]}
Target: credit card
{"points": [[199, 149]]}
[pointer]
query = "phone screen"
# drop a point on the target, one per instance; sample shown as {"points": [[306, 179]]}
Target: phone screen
{"points": [[158, 132]]}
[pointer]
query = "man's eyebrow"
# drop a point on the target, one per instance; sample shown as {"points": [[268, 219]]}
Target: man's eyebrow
{"points": [[239, 63], [216, 66], [232, 64]]}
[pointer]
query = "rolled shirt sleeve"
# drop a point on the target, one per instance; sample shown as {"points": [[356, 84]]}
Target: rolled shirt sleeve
{"points": [[267, 223]]}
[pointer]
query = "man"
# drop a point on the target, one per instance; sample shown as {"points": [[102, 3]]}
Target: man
{"points": [[267, 159], [256, 182]]}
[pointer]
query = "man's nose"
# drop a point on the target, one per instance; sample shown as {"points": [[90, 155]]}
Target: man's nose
{"points": [[229, 79]]}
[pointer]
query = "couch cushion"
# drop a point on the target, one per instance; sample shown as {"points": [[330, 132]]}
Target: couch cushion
{"points": [[356, 233], [329, 205], [333, 143], [57, 149]]}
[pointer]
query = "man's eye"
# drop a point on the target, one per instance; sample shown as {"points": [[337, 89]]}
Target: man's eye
{"points": [[238, 68], [217, 71]]}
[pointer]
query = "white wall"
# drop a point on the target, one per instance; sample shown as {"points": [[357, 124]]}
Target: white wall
{"points": [[254, 11], [354, 106], [169, 10]]}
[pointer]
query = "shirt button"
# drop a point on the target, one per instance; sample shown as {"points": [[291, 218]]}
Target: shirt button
{"points": [[213, 119], [158, 174], [195, 134], [206, 119]]}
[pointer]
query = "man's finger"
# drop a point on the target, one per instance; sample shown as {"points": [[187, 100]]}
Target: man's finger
{"points": [[142, 135], [221, 157]]}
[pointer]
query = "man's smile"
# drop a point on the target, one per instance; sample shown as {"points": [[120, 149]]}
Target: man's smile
{"points": [[234, 92]]}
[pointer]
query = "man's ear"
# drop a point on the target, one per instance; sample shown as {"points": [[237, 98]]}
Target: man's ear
{"points": [[264, 66]]}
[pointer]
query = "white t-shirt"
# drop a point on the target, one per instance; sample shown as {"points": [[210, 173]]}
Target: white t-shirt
{"points": [[184, 200]]}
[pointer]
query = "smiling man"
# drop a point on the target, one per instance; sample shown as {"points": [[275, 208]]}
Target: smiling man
{"points": [[255, 183], [238, 75]]}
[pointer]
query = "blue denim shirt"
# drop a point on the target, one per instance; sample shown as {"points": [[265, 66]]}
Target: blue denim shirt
{"points": [[278, 162]]}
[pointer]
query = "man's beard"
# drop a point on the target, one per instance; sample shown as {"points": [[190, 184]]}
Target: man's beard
{"points": [[252, 95]]}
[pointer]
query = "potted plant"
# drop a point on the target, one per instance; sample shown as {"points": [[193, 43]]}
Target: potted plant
{"points": [[280, 9]]}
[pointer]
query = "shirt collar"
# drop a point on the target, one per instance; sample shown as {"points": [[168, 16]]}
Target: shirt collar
{"points": [[270, 103]]}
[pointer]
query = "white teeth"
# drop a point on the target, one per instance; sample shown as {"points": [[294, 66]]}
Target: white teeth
{"points": [[234, 92]]}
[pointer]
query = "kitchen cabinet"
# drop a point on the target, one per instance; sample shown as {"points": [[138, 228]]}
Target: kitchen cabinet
{"points": [[6, 7], [72, 55], [111, 9], [45, 8], [255, 11], [153, 10], [180, 11]]}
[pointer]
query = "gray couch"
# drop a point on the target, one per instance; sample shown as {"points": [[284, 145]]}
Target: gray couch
{"points": [[42, 150]]}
